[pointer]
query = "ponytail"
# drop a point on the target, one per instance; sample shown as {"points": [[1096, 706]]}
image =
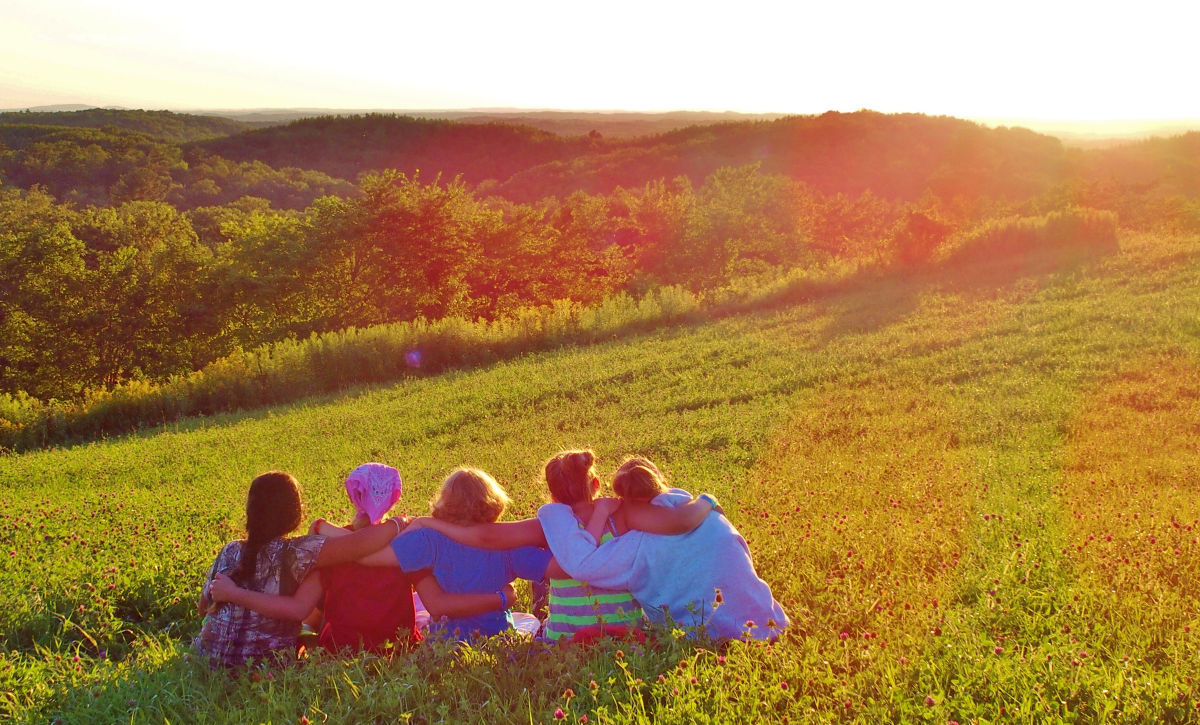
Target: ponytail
{"points": [[272, 510]]}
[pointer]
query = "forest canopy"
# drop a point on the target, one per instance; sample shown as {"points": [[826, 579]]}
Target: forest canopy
{"points": [[139, 245]]}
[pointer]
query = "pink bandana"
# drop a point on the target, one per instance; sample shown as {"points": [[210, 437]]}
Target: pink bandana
{"points": [[374, 488]]}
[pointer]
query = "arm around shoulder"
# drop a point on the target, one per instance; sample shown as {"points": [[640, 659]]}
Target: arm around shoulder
{"points": [[292, 608], [668, 520], [500, 535], [357, 544], [440, 604]]}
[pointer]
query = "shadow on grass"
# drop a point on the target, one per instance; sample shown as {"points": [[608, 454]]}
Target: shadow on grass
{"points": [[876, 299]]}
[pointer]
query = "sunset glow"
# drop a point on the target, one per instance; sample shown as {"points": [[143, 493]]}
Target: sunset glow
{"points": [[1017, 60]]}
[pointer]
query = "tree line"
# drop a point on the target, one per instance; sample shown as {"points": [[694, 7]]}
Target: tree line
{"points": [[126, 257]]}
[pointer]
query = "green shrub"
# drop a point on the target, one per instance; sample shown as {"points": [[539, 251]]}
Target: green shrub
{"points": [[1074, 231]]}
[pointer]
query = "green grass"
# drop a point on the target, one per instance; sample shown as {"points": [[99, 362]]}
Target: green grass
{"points": [[908, 460]]}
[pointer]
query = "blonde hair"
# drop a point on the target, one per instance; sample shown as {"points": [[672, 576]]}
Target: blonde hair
{"points": [[569, 476], [470, 496], [638, 479]]}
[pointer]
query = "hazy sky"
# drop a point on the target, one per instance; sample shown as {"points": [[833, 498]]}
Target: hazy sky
{"points": [[1022, 59]]}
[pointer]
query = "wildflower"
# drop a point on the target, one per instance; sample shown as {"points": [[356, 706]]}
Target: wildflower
{"points": [[719, 598], [844, 635], [929, 701], [568, 694], [583, 719], [783, 685], [593, 686], [559, 714], [721, 659], [998, 651]]}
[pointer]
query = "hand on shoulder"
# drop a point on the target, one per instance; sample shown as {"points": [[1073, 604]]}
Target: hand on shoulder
{"points": [[417, 523], [607, 505]]}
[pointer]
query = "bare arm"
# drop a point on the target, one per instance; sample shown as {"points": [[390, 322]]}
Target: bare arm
{"points": [[507, 535], [665, 520], [356, 545], [328, 530], [292, 608], [602, 511], [384, 557], [440, 604]]}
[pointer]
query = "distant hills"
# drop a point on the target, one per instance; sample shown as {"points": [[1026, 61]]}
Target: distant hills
{"points": [[518, 155], [628, 124], [623, 124], [177, 127], [896, 155]]}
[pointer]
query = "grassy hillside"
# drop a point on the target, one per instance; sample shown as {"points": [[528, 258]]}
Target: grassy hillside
{"points": [[974, 493]]}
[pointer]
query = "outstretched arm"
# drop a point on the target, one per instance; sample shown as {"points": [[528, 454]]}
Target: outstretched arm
{"points": [[292, 608], [440, 604], [506, 535]]}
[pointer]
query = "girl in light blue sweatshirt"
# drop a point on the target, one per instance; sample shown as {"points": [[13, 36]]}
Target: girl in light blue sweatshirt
{"points": [[703, 580]]}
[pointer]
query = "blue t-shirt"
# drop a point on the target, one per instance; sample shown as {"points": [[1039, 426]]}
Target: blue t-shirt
{"points": [[462, 569]]}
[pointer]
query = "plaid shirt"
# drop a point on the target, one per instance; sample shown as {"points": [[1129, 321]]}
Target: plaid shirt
{"points": [[234, 635]]}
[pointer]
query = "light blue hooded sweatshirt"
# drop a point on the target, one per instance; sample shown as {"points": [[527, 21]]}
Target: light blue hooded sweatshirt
{"points": [[674, 578]]}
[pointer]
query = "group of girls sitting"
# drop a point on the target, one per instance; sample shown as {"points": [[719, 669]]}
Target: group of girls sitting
{"points": [[651, 553]]}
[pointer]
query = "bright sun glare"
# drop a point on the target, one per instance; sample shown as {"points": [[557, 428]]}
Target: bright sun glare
{"points": [[1021, 59]]}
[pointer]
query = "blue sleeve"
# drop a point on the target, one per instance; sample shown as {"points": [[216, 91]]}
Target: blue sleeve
{"points": [[415, 550], [530, 562]]}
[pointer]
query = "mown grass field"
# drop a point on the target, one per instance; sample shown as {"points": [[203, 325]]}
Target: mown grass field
{"points": [[974, 490]]}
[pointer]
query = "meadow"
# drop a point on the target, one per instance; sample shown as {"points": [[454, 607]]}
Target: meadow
{"points": [[972, 487]]}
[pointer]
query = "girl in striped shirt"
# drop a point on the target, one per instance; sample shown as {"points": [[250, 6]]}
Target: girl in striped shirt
{"points": [[575, 606]]}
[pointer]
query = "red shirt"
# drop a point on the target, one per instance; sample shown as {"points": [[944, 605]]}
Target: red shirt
{"points": [[368, 606]]}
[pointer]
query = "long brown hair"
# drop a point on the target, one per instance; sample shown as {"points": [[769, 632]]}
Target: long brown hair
{"points": [[272, 510]]}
